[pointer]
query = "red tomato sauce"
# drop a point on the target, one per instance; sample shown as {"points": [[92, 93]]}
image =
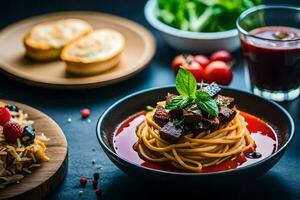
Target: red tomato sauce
{"points": [[263, 134]]}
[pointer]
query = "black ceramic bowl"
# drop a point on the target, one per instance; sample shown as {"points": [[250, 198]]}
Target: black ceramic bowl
{"points": [[269, 111]]}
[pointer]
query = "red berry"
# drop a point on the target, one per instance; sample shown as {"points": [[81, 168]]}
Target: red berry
{"points": [[95, 184], [12, 131], [98, 192], [83, 181], [85, 113], [4, 115]]}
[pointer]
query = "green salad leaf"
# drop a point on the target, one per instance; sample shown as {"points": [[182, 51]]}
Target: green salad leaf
{"points": [[202, 15], [186, 86]]}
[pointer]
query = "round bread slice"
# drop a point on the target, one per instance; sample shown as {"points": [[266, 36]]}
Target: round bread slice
{"points": [[46, 40], [94, 53]]}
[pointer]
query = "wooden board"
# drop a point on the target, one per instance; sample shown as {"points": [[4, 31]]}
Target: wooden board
{"points": [[47, 177], [139, 49]]}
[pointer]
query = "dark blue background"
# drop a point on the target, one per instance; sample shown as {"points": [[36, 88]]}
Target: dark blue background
{"points": [[282, 182]]}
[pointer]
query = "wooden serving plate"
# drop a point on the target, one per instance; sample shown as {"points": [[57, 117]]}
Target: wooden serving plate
{"points": [[50, 174], [139, 49]]}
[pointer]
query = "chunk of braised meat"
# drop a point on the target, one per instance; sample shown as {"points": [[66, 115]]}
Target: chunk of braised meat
{"points": [[171, 133], [187, 128], [173, 113], [226, 114], [225, 101], [191, 114], [212, 89], [161, 115], [197, 128], [213, 123]]}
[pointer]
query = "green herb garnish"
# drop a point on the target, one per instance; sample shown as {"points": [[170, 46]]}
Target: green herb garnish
{"points": [[178, 123], [179, 102], [149, 108], [186, 86], [222, 103], [201, 125], [206, 103]]}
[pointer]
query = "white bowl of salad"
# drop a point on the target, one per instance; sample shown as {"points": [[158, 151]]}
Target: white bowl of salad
{"points": [[198, 25]]}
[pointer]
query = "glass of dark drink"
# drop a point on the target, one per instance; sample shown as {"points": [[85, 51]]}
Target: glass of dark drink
{"points": [[270, 40]]}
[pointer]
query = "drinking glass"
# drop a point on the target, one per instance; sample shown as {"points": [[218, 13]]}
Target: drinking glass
{"points": [[270, 40]]}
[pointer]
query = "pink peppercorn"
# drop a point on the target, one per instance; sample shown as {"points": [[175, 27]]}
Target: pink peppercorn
{"points": [[98, 192], [95, 184], [85, 113], [83, 181]]}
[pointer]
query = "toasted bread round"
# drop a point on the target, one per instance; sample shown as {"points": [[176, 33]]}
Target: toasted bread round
{"points": [[46, 40], [94, 53]]}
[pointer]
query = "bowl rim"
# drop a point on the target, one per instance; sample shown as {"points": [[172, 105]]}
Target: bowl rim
{"points": [[149, 12], [223, 172]]}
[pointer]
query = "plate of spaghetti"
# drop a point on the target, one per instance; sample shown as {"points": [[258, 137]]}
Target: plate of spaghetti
{"points": [[28, 141], [191, 131]]}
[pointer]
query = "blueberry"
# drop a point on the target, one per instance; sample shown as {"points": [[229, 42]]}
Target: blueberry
{"points": [[28, 135], [12, 108]]}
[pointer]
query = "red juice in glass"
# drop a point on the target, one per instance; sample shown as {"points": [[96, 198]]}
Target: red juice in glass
{"points": [[272, 51], [273, 65]]}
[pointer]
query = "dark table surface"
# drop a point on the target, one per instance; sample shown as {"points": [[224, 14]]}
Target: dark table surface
{"points": [[281, 182]]}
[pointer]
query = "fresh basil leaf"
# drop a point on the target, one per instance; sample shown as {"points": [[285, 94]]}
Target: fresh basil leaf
{"points": [[186, 83], [203, 95], [206, 103], [178, 103]]}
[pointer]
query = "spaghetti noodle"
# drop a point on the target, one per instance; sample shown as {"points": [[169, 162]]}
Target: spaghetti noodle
{"points": [[193, 152]]}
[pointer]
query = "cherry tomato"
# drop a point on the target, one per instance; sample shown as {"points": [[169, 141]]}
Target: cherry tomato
{"points": [[187, 62], [219, 72], [221, 55], [202, 60], [196, 69], [182, 60]]}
